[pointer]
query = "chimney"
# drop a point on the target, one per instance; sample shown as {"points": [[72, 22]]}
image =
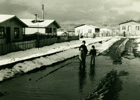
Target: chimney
{"points": [[35, 18], [42, 11]]}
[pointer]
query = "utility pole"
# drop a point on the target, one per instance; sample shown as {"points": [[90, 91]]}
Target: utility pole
{"points": [[43, 12], [37, 31]]}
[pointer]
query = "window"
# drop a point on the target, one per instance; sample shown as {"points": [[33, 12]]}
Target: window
{"points": [[97, 30], [54, 31], [78, 31], [137, 27], [50, 30], [123, 28], [47, 30], [16, 33], [2, 32], [89, 30]]}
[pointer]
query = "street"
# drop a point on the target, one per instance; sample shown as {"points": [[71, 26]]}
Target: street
{"points": [[67, 81]]}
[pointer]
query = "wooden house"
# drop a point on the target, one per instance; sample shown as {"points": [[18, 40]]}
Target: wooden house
{"points": [[11, 29], [47, 27]]}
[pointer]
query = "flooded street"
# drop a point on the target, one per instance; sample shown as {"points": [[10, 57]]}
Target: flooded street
{"points": [[67, 81]]}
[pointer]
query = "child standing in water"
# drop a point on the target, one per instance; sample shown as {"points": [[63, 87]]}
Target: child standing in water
{"points": [[93, 54], [82, 57]]}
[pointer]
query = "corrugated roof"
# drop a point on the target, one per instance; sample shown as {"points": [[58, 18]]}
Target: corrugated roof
{"points": [[93, 26], [87, 25], [5, 17], [79, 25], [44, 23]]}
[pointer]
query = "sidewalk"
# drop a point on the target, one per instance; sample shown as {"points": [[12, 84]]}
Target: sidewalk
{"points": [[66, 50], [46, 50]]}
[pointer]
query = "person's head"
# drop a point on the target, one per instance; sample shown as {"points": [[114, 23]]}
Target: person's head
{"points": [[93, 46], [84, 42]]}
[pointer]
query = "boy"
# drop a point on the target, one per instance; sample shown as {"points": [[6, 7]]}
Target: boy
{"points": [[82, 57], [93, 54], [84, 47]]}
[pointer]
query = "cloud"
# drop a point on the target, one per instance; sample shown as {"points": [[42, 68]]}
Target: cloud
{"points": [[97, 12]]}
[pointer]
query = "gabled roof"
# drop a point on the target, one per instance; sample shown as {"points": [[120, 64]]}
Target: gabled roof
{"points": [[93, 26], [39, 23], [129, 21], [87, 25], [4, 18], [79, 25]]}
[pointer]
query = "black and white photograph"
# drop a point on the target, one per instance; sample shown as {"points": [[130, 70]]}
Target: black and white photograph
{"points": [[69, 49]]}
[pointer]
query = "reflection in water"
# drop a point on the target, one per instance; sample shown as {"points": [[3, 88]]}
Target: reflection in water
{"points": [[82, 75], [82, 78], [92, 72]]}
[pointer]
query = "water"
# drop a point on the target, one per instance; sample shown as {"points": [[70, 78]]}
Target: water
{"points": [[67, 81]]}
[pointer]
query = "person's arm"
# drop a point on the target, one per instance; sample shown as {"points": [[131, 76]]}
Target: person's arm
{"points": [[95, 52], [90, 52], [86, 49], [80, 55]]}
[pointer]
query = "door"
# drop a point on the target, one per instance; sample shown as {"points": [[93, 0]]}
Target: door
{"points": [[8, 39]]}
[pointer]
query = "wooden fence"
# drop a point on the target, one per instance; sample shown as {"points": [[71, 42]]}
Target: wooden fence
{"points": [[19, 46]]}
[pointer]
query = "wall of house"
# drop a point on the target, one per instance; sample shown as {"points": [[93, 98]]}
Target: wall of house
{"points": [[130, 29], [30, 30], [53, 26], [84, 31], [3, 41], [12, 23], [106, 32], [78, 31]]}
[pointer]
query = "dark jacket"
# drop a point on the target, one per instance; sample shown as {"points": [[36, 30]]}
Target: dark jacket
{"points": [[84, 48], [92, 52]]}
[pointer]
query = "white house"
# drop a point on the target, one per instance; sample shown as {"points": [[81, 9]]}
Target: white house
{"points": [[87, 30], [105, 32], [130, 28], [48, 27]]}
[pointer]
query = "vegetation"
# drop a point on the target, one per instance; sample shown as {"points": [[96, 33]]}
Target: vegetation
{"points": [[108, 88]]}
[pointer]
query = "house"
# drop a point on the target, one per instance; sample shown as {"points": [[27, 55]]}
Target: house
{"points": [[61, 33], [11, 29], [87, 30], [105, 32], [71, 32], [48, 27], [115, 32], [130, 28]]}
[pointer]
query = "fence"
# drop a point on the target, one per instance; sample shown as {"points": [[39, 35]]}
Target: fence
{"points": [[19, 46]]}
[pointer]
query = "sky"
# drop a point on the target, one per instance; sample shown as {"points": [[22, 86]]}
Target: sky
{"points": [[102, 13]]}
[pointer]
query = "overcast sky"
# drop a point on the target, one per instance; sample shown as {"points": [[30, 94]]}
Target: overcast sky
{"points": [[95, 12]]}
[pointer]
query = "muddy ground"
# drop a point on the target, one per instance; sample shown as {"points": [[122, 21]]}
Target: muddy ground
{"points": [[68, 82], [129, 65]]}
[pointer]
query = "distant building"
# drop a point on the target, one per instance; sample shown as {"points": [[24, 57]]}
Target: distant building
{"points": [[115, 32], [61, 33], [105, 32], [48, 27], [87, 30], [71, 32], [130, 28], [11, 29]]}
